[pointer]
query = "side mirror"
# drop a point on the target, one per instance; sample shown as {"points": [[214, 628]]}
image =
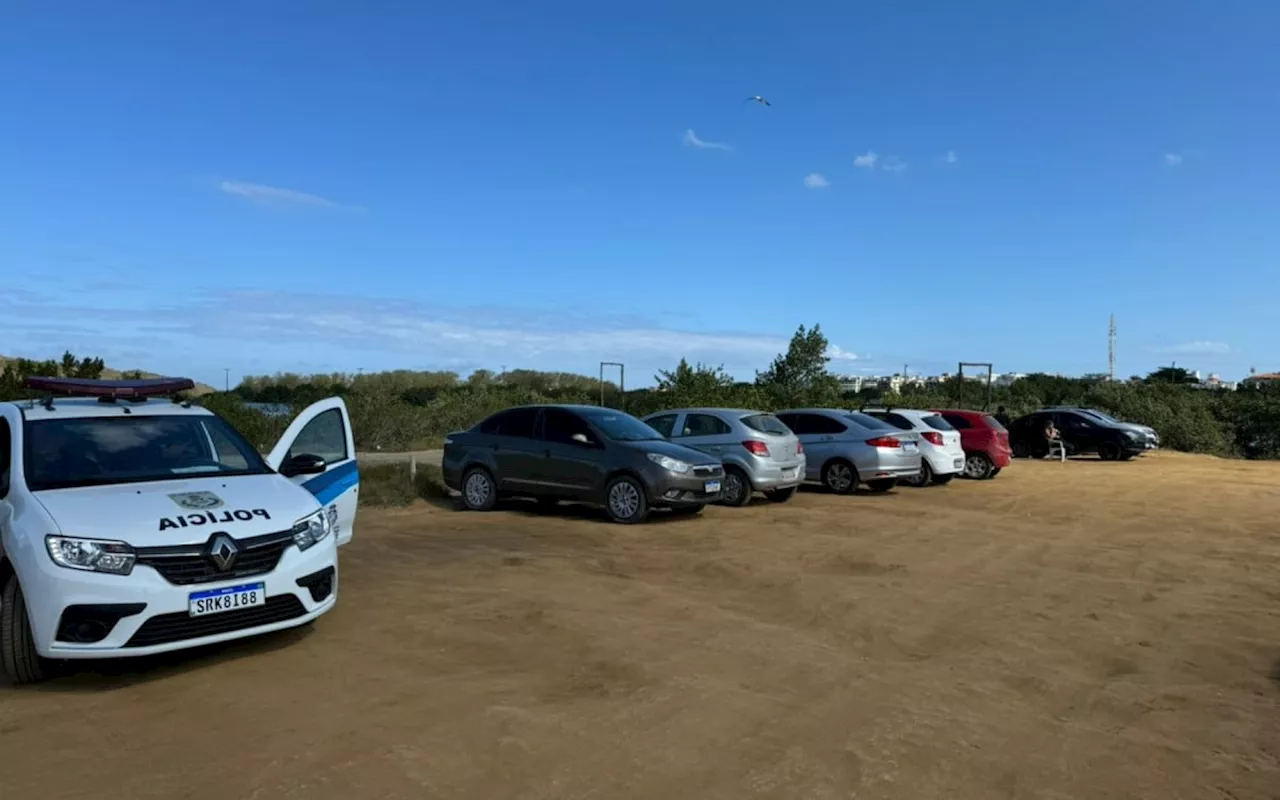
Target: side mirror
{"points": [[303, 464]]}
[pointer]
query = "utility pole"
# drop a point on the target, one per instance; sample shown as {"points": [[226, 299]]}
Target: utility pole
{"points": [[1111, 350], [226, 379]]}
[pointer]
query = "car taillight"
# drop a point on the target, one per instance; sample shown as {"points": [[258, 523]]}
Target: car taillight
{"points": [[799, 448], [756, 448], [933, 437], [884, 441]]}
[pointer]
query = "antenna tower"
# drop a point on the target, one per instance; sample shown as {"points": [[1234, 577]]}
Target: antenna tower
{"points": [[1111, 349]]}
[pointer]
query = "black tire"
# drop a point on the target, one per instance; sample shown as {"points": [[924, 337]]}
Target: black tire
{"points": [[994, 472], [740, 493], [1020, 450], [474, 498], [624, 501], [978, 466], [922, 478], [18, 657], [943, 480], [781, 495], [882, 485], [1109, 451], [840, 476]]}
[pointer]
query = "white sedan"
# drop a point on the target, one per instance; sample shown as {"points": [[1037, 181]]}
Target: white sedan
{"points": [[942, 457]]}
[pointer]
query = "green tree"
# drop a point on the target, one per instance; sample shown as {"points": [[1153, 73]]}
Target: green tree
{"points": [[699, 385], [799, 376], [1171, 374]]}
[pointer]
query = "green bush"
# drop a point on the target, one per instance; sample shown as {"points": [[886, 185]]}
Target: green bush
{"points": [[406, 410]]}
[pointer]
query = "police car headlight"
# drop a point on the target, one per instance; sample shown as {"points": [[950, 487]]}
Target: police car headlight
{"points": [[91, 555], [311, 529]]}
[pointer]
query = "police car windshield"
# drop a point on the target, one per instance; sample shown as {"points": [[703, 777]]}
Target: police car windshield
{"points": [[100, 451]]}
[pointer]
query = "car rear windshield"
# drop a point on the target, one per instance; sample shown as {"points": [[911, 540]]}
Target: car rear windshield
{"points": [[936, 422], [766, 423], [100, 451], [896, 420], [622, 427], [868, 421], [992, 422]]}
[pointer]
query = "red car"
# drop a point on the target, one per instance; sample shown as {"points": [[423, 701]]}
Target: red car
{"points": [[984, 439]]}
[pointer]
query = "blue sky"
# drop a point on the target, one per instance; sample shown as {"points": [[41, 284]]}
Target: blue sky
{"points": [[315, 186]]}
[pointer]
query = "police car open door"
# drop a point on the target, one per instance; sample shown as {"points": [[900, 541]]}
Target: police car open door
{"points": [[323, 429]]}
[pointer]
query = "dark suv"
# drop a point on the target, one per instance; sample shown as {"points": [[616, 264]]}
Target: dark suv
{"points": [[584, 453], [1081, 433]]}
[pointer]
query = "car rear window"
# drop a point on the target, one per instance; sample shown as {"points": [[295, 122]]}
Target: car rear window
{"points": [[936, 422], [766, 423], [868, 421], [992, 422], [896, 420]]}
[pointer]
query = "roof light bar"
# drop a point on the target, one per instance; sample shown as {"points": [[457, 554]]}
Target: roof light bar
{"points": [[85, 387]]}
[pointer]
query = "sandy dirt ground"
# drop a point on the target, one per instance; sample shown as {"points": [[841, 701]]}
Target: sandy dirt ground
{"points": [[1088, 630]]}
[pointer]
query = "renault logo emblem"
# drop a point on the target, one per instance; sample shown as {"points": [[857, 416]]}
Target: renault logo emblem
{"points": [[223, 551]]}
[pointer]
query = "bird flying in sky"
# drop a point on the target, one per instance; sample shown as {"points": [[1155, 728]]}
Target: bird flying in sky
{"points": [[758, 99]]}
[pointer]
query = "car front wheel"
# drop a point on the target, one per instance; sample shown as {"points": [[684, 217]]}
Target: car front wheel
{"points": [[737, 488], [479, 493], [18, 657], [840, 477], [1109, 451], [625, 501]]}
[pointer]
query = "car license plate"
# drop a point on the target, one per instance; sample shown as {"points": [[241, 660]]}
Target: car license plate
{"points": [[711, 486], [910, 447], [229, 598]]}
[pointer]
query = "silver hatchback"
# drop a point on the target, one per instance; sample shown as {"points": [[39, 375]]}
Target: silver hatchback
{"points": [[845, 448], [759, 452]]}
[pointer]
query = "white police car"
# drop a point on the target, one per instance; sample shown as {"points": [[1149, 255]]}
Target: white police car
{"points": [[132, 523]]}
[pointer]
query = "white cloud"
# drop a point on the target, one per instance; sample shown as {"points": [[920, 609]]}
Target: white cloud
{"points": [[273, 195], [272, 329], [1172, 159], [867, 160], [1196, 348], [893, 164], [837, 353], [691, 139], [950, 157], [816, 180]]}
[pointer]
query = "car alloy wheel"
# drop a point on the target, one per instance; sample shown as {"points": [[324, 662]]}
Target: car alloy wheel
{"points": [[624, 500], [977, 466], [840, 477], [477, 489]]}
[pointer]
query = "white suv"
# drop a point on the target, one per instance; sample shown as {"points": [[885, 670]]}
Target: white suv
{"points": [[942, 457], [132, 523]]}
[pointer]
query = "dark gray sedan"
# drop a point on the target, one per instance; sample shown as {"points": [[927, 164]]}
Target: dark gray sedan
{"points": [[581, 453]]}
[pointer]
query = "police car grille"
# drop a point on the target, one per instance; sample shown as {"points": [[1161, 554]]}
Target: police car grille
{"points": [[190, 564], [180, 626]]}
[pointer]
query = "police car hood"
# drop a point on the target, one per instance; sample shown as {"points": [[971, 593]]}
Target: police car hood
{"points": [[186, 511]]}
